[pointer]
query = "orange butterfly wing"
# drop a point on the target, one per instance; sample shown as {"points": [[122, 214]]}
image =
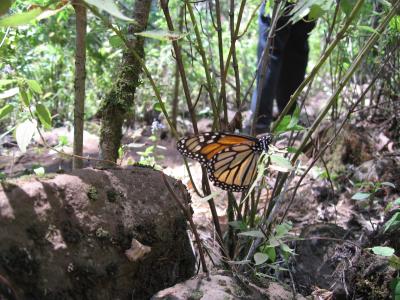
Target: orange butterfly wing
{"points": [[204, 146]]}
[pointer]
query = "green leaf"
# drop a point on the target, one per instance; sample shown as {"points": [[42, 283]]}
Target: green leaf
{"points": [[315, 12], [291, 149], [9, 93], [21, 18], [393, 223], [394, 262], [110, 7], [4, 82], [397, 201], [5, 110], [39, 171], [116, 42], [286, 248], [5, 6], [162, 35], [294, 119], [157, 107], [271, 252], [394, 23], [63, 140], [34, 86], [383, 251], [361, 196], [44, 115], [282, 229], [253, 233], [24, 97], [286, 251], [283, 124], [347, 6], [260, 258], [389, 184], [395, 284], [280, 163], [367, 28], [24, 133], [120, 152]]}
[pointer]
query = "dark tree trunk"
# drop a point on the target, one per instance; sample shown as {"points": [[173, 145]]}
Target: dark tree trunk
{"points": [[80, 76], [120, 99]]}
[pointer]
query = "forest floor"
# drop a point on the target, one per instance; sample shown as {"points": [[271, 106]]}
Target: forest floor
{"points": [[365, 158]]}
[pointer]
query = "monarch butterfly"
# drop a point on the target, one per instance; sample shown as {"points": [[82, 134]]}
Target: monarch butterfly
{"points": [[230, 159]]}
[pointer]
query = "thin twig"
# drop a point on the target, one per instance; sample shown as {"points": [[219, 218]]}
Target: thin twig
{"points": [[188, 215]]}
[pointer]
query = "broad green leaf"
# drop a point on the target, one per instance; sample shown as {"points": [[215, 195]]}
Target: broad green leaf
{"points": [[5, 110], [394, 262], [21, 18], [315, 12], [253, 233], [34, 86], [282, 229], [5, 6], [395, 285], [286, 248], [116, 41], [294, 119], [310, 9], [360, 196], [393, 223], [9, 93], [162, 35], [39, 171], [24, 97], [157, 107], [347, 6], [283, 124], [395, 23], [260, 258], [286, 251], [397, 201], [44, 115], [280, 163], [383, 251], [4, 82], [110, 7], [24, 133], [271, 252]]}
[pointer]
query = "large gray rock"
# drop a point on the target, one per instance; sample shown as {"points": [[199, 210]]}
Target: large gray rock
{"points": [[222, 285], [92, 234]]}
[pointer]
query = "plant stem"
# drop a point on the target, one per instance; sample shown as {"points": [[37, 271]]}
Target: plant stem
{"points": [[181, 68], [200, 49]]}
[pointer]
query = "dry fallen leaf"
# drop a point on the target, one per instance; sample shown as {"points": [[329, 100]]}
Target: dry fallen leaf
{"points": [[137, 251]]}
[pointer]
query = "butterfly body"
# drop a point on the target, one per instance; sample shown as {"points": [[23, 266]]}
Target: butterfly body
{"points": [[230, 159]]}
